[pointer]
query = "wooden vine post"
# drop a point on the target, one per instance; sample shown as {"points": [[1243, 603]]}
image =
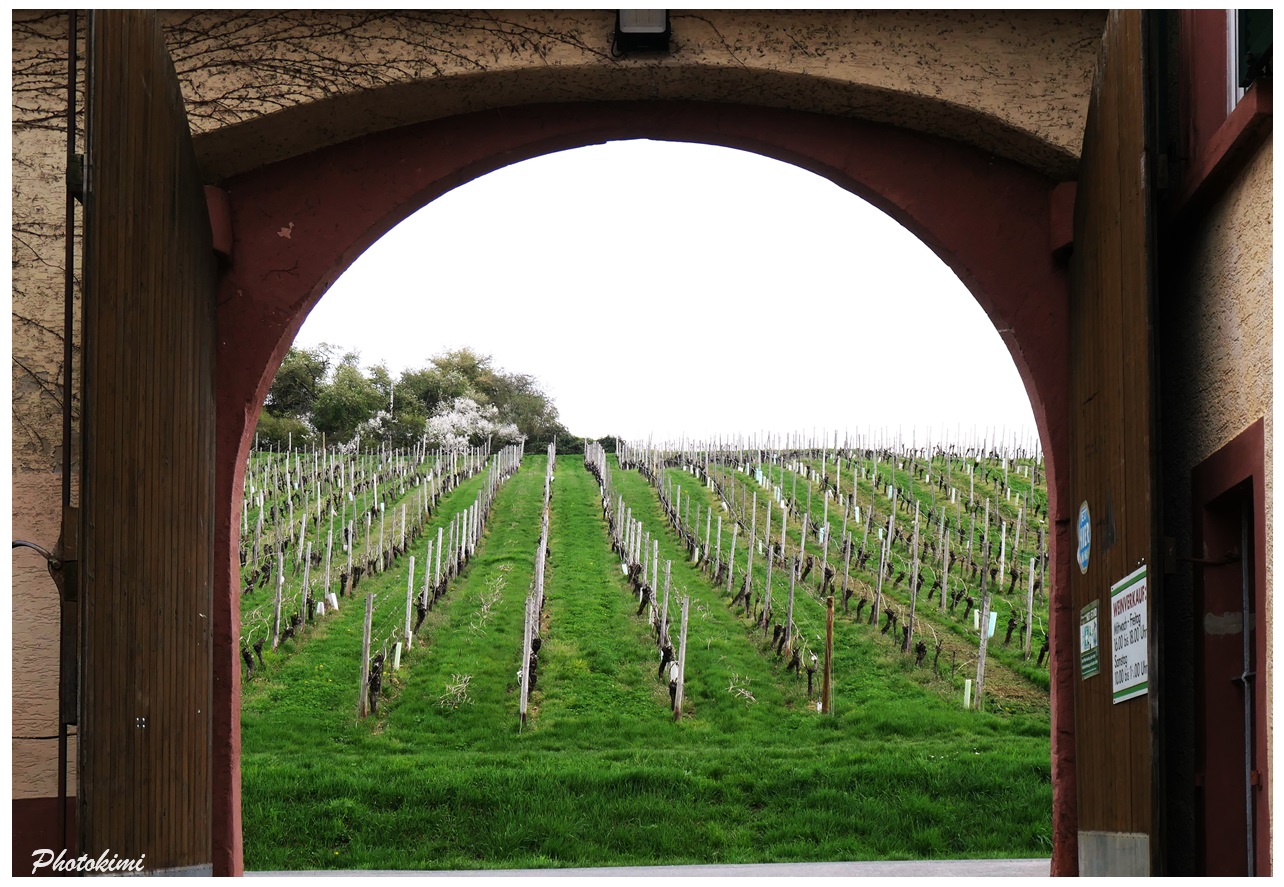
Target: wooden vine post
{"points": [[368, 518], [824, 529], [664, 615], [307, 581], [655, 579], [909, 635], [436, 575], [985, 629], [363, 696], [784, 525], [827, 682], [329, 549], [1029, 613], [527, 643], [410, 600], [882, 570], [731, 558], [789, 612], [276, 608], [847, 566], [382, 565], [682, 661], [258, 530], [708, 527], [945, 561], [426, 594], [753, 537], [303, 527], [766, 596]]}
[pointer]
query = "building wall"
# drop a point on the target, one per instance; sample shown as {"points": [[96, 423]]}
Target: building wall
{"points": [[39, 155], [1215, 345], [1225, 281], [1015, 84]]}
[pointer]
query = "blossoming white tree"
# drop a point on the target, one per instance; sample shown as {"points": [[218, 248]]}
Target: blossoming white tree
{"points": [[462, 422]]}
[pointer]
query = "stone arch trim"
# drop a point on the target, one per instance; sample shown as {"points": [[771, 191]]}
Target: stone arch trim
{"points": [[314, 125], [299, 223]]}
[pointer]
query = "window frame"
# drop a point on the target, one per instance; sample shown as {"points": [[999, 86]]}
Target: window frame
{"points": [[1215, 138]]}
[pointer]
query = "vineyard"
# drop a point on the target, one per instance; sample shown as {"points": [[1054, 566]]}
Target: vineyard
{"points": [[707, 652]]}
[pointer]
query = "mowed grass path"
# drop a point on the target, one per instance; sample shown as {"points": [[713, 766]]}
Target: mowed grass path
{"points": [[601, 775]]}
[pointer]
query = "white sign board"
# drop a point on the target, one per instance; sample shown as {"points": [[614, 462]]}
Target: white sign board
{"points": [[1130, 665]]}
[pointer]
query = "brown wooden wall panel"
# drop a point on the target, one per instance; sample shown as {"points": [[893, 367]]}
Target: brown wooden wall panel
{"points": [[1112, 466], [148, 486]]}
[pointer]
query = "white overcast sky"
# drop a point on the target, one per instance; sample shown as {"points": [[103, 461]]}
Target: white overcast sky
{"points": [[684, 289]]}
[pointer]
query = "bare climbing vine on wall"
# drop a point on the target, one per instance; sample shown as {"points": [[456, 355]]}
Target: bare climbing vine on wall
{"points": [[39, 100], [239, 65], [234, 66]]}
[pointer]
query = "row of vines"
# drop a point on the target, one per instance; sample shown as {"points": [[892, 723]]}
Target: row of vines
{"points": [[909, 544]]}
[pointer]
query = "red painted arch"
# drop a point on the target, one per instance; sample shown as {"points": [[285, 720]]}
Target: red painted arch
{"points": [[299, 223]]}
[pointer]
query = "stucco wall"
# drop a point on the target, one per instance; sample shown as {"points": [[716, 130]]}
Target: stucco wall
{"points": [[34, 656], [1227, 336], [1222, 350], [1013, 83], [39, 158], [39, 153]]}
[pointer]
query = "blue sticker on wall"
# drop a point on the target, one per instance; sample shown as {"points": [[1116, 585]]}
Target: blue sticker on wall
{"points": [[1085, 536]]}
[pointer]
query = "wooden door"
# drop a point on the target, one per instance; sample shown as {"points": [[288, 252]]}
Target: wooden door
{"points": [[1232, 767], [1112, 470], [148, 462]]}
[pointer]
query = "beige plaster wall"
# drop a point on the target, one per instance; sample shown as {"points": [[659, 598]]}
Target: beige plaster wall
{"points": [[38, 219], [1014, 83], [1228, 337], [1229, 283], [37, 498], [39, 152]]}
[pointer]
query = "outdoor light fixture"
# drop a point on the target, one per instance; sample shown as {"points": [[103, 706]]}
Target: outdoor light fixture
{"points": [[642, 30]]}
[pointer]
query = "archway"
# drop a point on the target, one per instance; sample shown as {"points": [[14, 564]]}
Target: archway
{"points": [[299, 223]]}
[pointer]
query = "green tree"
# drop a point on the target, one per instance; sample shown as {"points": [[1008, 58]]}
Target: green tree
{"points": [[347, 402], [314, 393], [381, 381], [298, 380], [521, 401], [405, 426], [465, 373], [279, 432], [424, 386]]}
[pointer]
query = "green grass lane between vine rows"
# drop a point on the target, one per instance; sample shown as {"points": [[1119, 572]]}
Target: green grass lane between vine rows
{"points": [[601, 775]]}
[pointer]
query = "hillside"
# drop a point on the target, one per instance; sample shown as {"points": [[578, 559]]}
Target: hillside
{"points": [[443, 775]]}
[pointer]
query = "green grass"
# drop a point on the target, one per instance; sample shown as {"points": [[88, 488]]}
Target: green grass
{"points": [[601, 775]]}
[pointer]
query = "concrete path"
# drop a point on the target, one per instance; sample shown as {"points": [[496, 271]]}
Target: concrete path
{"points": [[968, 868]]}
